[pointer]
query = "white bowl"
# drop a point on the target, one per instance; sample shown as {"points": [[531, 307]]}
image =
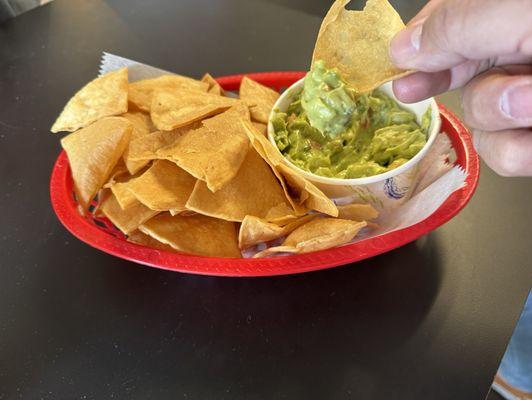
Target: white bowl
{"points": [[384, 191]]}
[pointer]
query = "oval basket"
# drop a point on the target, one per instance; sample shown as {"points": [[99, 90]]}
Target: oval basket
{"points": [[101, 234]]}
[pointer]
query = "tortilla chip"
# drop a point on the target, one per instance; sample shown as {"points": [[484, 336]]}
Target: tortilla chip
{"points": [[141, 92], [145, 240], [254, 93], [309, 194], [103, 97], [254, 191], [323, 233], [142, 126], [122, 194], [263, 145], [93, 152], [212, 153], [357, 43], [293, 184], [260, 127], [372, 225], [164, 186], [273, 158], [214, 87], [357, 212], [306, 192], [184, 213], [196, 234], [132, 165], [239, 108], [318, 234], [98, 200], [118, 173], [171, 110], [141, 122], [255, 230], [142, 150], [126, 220]]}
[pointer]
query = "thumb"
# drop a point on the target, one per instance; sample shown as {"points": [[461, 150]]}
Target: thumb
{"points": [[506, 152]]}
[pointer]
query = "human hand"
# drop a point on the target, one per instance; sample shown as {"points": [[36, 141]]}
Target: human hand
{"points": [[484, 46]]}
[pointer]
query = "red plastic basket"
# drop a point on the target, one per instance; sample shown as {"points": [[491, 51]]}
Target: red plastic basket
{"points": [[101, 234]]}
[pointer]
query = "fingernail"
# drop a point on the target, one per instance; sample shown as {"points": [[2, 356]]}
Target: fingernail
{"points": [[406, 45], [517, 102]]}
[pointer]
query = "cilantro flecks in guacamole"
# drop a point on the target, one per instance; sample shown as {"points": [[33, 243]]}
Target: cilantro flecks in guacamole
{"points": [[332, 131]]}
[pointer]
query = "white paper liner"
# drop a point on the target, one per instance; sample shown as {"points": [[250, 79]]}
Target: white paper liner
{"points": [[434, 185]]}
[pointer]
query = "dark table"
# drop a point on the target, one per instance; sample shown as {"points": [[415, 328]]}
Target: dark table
{"points": [[428, 321]]}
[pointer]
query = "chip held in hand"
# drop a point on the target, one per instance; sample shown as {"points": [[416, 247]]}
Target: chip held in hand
{"points": [[357, 43]]}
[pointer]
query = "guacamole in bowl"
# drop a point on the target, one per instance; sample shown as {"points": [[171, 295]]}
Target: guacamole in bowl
{"points": [[332, 131]]}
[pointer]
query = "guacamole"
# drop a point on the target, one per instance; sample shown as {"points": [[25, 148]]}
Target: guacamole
{"points": [[332, 131]]}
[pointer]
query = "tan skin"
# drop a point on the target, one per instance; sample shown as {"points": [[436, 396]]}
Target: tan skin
{"points": [[484, 47]]}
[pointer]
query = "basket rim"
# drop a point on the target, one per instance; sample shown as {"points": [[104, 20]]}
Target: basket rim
{"points": [[66, 210]]}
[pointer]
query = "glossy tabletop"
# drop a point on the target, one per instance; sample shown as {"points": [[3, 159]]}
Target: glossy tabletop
{"points": [[428, 321]]}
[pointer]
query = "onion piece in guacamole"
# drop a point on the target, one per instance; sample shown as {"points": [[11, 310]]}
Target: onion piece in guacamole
{"points": [[332, 131]]}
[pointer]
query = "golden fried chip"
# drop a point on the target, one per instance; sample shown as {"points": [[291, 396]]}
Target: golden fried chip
{"points": [[214, 87], [122, 194], [133, 166], [141, 122], [254, 93], [144, 149], [141, 92], [185, 213], [264, 147], [260, 127], [119, 187], [293, 183], [196, 234], [103, 97], [254, 191], [273, 158], [318, 234], [100, 198], [357, 212], [239, 108], [126, 220], [255, 230], [142, 126], [323, 233], [212, 153], [145, 240], [357, 43], [173, 110], [93, 152], [309, 194], [118, 173], [163, 187], [372, 225]]}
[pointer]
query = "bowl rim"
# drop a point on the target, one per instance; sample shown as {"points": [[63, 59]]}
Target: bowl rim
{"points": [[435, 128]]}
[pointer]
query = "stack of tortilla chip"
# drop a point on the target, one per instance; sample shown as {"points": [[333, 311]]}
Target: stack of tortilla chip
{"points": [[177, 165]]}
